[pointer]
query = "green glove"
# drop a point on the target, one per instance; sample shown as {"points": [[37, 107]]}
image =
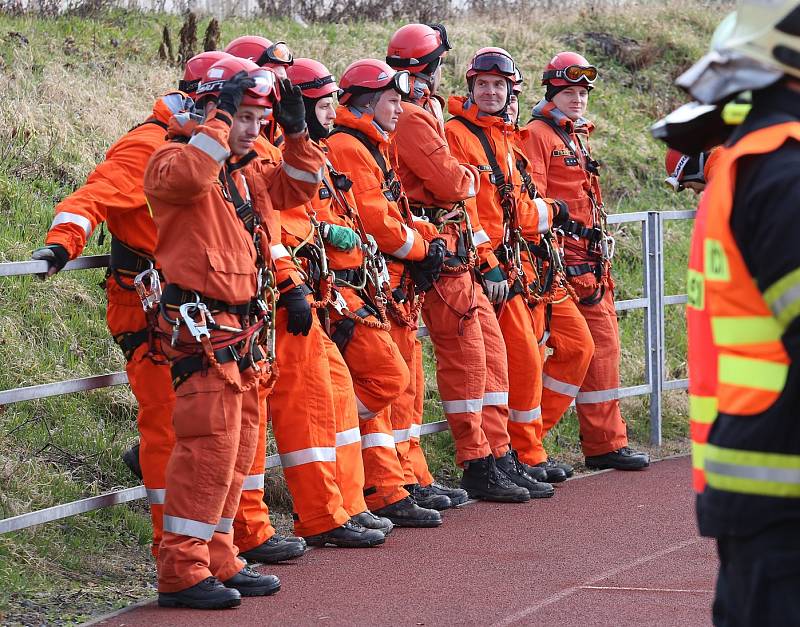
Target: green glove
{"points": [[340, 237]]}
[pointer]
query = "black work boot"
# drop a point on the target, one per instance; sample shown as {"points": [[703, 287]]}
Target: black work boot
{"points": [[276, 549], [406, 513], [457, 496], [553, 472], [371, 521], [511, 466], [428, 498], [349, 535], [251, 583], [622, 459], [209, 594], [482, 480], [131, 459]]}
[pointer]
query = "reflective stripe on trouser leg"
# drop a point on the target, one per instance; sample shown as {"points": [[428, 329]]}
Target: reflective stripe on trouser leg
{"points": [[525, 380], [404, 409], [151, 384], [565, 368], [379, 376], [601, 424], [216, 430], [461, 361], [304, 424], [251, 525], [384, 480], [349, 464]]}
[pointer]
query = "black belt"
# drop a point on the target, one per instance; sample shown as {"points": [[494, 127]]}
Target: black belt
{"points": [[184, 368], [129, 341], [592, 234], [127, 260], [580, 269], [352, 276], [173, 297]]}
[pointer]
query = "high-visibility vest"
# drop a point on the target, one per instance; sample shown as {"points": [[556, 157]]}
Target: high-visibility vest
{"points": [[746, 328]]}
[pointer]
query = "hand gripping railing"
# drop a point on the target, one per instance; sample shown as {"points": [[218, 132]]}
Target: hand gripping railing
{"points": [[653, 301]]}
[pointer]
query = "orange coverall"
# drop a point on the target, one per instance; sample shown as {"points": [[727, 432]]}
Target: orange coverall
{"points": [[398, 238], [515, 317], [215, 420], [559, 172], [471, 369]]}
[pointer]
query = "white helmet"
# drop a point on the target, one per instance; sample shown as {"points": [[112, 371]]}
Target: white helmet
{"points": [[751, 49]]}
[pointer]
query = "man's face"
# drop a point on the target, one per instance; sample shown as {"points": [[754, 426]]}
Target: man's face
{"points": [[387, 110], [490, 93], [572, 101], [513, 108], [245, 129], [326, 111]]}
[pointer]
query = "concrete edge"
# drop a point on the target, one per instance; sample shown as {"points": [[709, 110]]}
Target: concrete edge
{"points": [[149, 600]]}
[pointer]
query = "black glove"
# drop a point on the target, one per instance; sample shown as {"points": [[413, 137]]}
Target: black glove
{"points": [[290, 112], [230, 96], [55, 255], [299, 310], [426, 272], [563, 213], [343, 333]]}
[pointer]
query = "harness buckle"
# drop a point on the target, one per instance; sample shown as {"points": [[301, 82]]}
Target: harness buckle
{"points": [[608, 246], [199, 330], [339, 303], [148, 287]]}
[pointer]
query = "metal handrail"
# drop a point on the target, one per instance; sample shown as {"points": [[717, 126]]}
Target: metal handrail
{"points": [[653, 301]]}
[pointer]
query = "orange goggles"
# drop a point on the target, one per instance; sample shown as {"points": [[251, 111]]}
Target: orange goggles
{"points": [[277, 54], [574, 74]]}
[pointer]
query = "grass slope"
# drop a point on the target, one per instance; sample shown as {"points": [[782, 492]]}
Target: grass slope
{"points": [[72, 86]]}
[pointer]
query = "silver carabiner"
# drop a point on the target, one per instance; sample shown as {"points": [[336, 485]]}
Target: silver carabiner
{"points": [[199, 330], [148, 287]]}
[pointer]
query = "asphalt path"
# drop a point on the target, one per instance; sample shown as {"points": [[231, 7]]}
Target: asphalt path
{"points": [[608, 549]]}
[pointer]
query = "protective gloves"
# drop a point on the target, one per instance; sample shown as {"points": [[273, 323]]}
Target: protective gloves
{"points": [[290, 112], [426, 272], [340, 237], [562, 214], [230, 96], [495, 285], [55, 255], [299, 310]]}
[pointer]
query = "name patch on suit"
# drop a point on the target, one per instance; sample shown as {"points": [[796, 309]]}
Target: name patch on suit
{"points": [[324, 193], [562, 153], [570, 161]]}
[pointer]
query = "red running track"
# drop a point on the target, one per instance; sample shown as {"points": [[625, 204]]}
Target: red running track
{"points": [[609, 549]]}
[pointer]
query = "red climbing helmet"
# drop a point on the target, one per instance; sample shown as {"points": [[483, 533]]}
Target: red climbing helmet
{"points": [[264, 94], [371, 75], [567, 69], [196, 68], [313, 78], [260, 50]]}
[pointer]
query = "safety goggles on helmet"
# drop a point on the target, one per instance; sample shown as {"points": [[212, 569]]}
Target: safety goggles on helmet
{"points": [[689, 169], [277, 54], [494, 61], [573, 74], [317, 83], [401, 83], [265, 86], [445, 45]]}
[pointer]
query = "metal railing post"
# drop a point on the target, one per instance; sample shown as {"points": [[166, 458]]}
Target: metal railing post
{"points": [[653, 253]]}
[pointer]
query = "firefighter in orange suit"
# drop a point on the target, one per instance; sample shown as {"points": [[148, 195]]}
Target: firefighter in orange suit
{"points": [[459, 318], [356, 318], [479, 134], [114, 193], [215, 313], [557, 144], [370, 95], [559, 325]]}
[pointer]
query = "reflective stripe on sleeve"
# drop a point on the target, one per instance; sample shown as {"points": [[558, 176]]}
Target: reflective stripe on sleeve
{"points": [[495, 398], [210, 146], [405, 249], [351, 436], [599, 396], [253, 482], [544, 215], [188, 527], [783, 297], [371, 440], [480, 237], [752, 472], [308, 456], [562, 387], [545, 337], [402, 435], [302, 175], [471, 192], [156, 496], [364, 412], [65, 217], [278, 251], [225, 525], [462, 407], [525, 415], [752, 373], [702, 409], [415, 431]]}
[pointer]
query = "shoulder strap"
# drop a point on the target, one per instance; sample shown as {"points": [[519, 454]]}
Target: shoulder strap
{"points": [[498, 178], [562, 134], [152, 121], [373, 149]]}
